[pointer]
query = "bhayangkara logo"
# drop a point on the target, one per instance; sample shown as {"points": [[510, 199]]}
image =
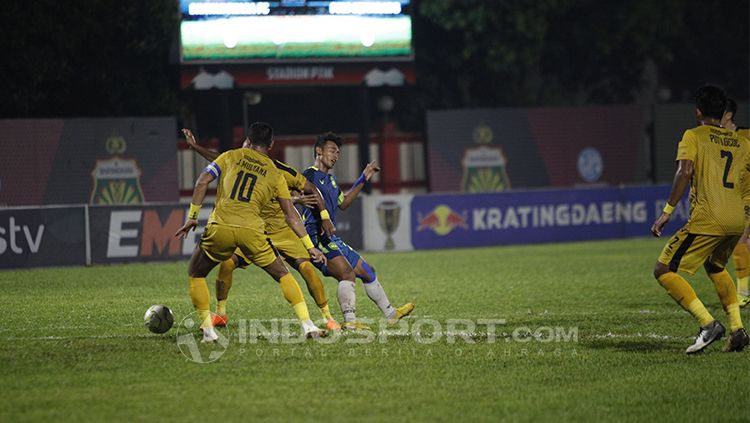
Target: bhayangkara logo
{"points": [[188, 341], [442, 220], [116, 181]]}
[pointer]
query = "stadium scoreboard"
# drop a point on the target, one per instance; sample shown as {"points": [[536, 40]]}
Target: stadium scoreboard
{"points": [[289, 31]]}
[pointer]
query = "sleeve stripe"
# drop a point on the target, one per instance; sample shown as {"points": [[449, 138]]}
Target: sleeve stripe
{"points": [[213, 169], [286, 168]]}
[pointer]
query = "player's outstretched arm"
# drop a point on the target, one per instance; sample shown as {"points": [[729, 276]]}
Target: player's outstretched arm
{"points": [[207, 154], [327, 225], [292, 219], [199, 194], [679, 185], [370, 170]]}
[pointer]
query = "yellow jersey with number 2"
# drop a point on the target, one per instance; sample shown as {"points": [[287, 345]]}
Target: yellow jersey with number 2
{"points": [[719, 180]]}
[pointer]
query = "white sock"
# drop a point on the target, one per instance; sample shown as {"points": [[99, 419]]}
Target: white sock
{"points": [[347, 300], [377, 295]]}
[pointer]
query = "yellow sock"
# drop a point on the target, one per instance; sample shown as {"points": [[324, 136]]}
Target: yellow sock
{"points": [[728, 297], [326, 312], [314, 284], [724, 287], [741, 257], [223, 284], [221, 307], [300, 309], [742, 286], [293, 294], [735, 320], [681, 291], [698, 310], [200, 297]]}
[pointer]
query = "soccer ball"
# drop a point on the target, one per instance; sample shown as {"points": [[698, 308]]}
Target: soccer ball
{"points": [[158, 318]]}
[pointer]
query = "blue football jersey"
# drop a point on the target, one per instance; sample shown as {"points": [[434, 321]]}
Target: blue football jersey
{"points": [[332, 195]]}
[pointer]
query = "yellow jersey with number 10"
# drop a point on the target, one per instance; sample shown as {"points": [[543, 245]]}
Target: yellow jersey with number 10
{"points": [[719, 179], [248, 181]]}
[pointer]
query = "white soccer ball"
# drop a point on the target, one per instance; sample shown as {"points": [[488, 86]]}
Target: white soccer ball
{"points": [[158, 318]]}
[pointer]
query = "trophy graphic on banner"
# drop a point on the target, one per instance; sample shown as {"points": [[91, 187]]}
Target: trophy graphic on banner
{"points": [[388, 216]]}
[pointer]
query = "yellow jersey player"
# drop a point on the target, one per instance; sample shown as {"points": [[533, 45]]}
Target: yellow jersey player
{"points": [[741, 254], [282, 237], [714, 163], [248, 182]]}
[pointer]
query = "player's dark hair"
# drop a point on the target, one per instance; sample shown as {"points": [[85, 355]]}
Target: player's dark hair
{"points": [[328, 136], [260, 134], [711, 101], [731, 107]]}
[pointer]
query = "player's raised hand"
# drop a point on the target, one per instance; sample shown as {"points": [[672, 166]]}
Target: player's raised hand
{"points": [[371, 169], [307, 200], [659, 224], [317, 256], [328, 227], [187, 227], [189, 137]]}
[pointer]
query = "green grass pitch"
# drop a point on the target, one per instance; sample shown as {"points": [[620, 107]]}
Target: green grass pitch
{"points": [[73, 347]]}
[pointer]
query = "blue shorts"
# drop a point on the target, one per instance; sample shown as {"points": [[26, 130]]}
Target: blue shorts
{"points": [[334, 247]]}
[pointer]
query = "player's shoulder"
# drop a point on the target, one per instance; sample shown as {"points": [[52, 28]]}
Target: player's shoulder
{"points": [[311, 172], [285, 168]]}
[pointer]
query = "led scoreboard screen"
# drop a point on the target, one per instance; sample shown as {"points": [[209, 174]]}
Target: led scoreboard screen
{"points": [[258, 31]]}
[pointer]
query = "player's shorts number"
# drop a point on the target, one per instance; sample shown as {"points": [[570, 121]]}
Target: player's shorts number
{"points": [[239, 192], [727, 155]]}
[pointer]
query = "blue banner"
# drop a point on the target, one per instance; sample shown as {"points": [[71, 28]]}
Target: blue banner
{"points": [[466, 220]]}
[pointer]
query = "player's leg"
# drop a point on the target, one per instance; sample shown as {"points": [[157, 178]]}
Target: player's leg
{"points": [[686, 252], [342, 271], [374, 289], [224, 284], [316, 289], [258, 248], [715, 267], [215, 246], [290, 247], [293, 294], [741, 258], [339, 268]]}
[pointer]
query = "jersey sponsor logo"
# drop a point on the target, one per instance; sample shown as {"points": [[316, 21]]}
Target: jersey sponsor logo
{"points": [[116, 181], [442, 220]]}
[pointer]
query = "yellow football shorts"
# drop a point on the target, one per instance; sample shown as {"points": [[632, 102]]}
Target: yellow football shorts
{"points": [[219, 242], [687, 252], [286, 243]]}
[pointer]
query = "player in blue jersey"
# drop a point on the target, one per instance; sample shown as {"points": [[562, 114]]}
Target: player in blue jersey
{"points": [[344, 263]]}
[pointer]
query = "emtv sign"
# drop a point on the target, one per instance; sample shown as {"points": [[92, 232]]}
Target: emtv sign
{"points": [[141, 234]]}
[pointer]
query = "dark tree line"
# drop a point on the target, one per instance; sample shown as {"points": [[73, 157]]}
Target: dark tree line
{"points": [[555, 52], [114, 57]]}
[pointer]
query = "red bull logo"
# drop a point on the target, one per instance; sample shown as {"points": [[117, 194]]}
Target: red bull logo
{"points": [[442, 220]]}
